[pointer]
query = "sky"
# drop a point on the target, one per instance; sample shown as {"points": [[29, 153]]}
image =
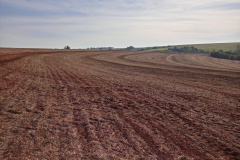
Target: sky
{"points": [[117, 23]]}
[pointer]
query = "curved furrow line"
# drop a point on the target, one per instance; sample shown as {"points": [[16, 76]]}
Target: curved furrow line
{"points": [[179, 75], [85, 130], [119, 105], [181, 141], [175, 114]]}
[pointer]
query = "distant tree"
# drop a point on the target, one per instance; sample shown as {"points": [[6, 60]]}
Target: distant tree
{"points": [[201, 51], [66, 47], [215, 54], [130, 48], [233, 55], [238, 47], [185, 49]]}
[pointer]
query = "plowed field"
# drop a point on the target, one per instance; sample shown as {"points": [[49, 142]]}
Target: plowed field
{"points": [[86, 104]]}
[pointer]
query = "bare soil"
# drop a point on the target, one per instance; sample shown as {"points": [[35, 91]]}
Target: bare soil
{"points": [[90, 104]]}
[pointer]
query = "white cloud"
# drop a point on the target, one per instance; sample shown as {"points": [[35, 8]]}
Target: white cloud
{"points": [[119, 23]]}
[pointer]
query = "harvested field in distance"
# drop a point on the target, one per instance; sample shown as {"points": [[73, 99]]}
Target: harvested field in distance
{"points": [[91, 104], [206, 47], [217, 46]]}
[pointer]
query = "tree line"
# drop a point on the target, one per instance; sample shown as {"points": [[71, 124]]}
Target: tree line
{"points": [[233, 55], [185, 49]]}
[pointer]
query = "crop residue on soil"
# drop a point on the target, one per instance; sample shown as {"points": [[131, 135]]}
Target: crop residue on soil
{"points": [[90, 104]]}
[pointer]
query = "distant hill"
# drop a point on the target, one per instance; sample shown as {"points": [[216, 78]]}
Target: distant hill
{"points": [[216, 46], [205, 47], [217, 50]]}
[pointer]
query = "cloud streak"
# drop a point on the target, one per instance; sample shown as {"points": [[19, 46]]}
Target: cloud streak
{"points": [[119, 23]]}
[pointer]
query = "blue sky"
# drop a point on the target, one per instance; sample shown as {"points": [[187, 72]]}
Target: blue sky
{"points": [[117, 23]]}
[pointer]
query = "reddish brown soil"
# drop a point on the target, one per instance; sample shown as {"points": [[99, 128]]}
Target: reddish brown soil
{"points": [[58, 104]]}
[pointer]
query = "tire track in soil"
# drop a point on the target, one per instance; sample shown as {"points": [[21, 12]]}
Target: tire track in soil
{"points": [[83, 126], [89, 113], [146, 137], [81, 116], [15, 107], [62, 94], [181, 142], [156, 69], [199, 128], [194, 124], [86, 131]]}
